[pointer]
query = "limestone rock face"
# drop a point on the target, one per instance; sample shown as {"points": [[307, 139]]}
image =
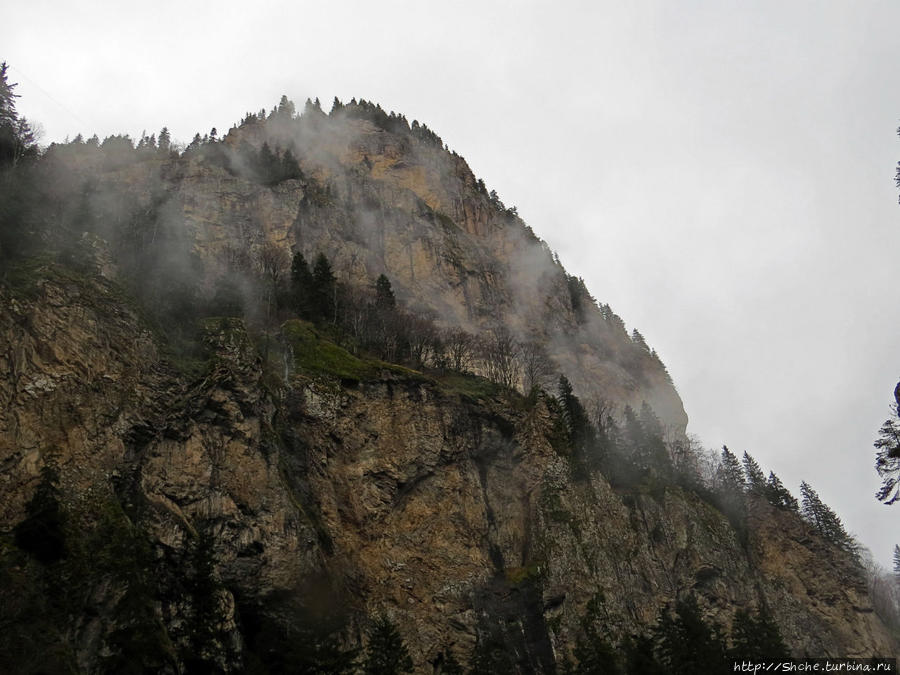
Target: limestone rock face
{"points": [[377, 202], [441, 509], [186, 507]]}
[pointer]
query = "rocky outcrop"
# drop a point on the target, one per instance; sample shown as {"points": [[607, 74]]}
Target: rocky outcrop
{"points": [[441, 502], [381, 202]]}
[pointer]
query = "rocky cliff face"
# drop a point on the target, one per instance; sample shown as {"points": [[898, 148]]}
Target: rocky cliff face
{"points": [[443, 503], [192, 514], [378, 202]]}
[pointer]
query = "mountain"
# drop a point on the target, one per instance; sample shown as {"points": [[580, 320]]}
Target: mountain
{"points": [[235, 435]]}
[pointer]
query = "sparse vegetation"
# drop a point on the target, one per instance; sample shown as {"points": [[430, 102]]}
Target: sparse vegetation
{"points": [[162, 597]]}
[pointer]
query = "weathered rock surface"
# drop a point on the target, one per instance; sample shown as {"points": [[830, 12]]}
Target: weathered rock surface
{"points": [[182, 499], [447, 512], [379, 202]]}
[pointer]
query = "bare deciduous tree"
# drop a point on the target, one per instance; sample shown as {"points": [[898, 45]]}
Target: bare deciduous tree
{"points": [[537, 368], [272, 262], [460, 348], [500, 352]]}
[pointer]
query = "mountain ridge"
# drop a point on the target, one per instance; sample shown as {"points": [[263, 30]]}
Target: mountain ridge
{"points": [[218, 444]]}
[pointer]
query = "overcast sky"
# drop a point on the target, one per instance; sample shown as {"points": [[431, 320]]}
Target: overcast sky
{"points": [[721, 173]]}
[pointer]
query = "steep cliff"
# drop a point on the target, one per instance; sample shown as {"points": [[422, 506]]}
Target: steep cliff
{"points": [[211, 497], [376, 202]]}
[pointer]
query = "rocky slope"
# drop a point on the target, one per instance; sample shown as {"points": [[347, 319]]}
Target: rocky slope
{"points": [[441, 503], [395, 203], [201, 509]]}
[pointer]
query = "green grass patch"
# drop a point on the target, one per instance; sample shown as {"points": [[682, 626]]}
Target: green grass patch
{"points": [[471, 387], [317, 356], [24, 276]]}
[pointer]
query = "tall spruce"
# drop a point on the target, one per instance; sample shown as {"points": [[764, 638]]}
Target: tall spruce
{"points": [[755, 478], [593, 650], [386, 653], [686, 644], [887, 457], [757, 637], [17, 138], [825, 521], [730, 487], [384, 294], [301, 285], [42, 533], [324, 290], [731, 474], [581, 432], [651, 452], [778, 495], [449, 664]]}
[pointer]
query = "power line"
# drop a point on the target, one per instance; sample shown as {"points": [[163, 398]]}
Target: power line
{"points": [[49, 96]]}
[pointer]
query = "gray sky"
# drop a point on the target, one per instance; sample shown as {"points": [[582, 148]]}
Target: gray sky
{"points": [[721, 173]]}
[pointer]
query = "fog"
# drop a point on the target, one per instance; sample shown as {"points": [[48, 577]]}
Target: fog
{"points": [[721, 173]]}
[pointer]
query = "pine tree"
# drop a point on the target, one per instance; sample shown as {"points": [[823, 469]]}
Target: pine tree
{"points": [[195, 143], [825, 521], [755, 478], [324, 290], [42, 533], [778, 495], [756, 638], [268, 166], [292, 638], [286, 108], [205, 617], [731, 474], [581, 433], [449, 666], [491, 656], [639, 657], [639, 340], [8, 114], [887, 459], [730, 487], [301, 285], [652, 452], [290, 167], [386, 653], [16, 135], [165, 141], [384, 294], [593, 651], [686, 644]]}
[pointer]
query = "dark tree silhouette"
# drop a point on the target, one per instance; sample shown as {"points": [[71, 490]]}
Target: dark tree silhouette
{"points": [[887, 457], [593, 650], [755, 478], [301, 285], [386, 653], [778, 495], [16, 135], [757, 637], [825, 521], [686, 643], [324, 290], [41, 533], [384, 294]]}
